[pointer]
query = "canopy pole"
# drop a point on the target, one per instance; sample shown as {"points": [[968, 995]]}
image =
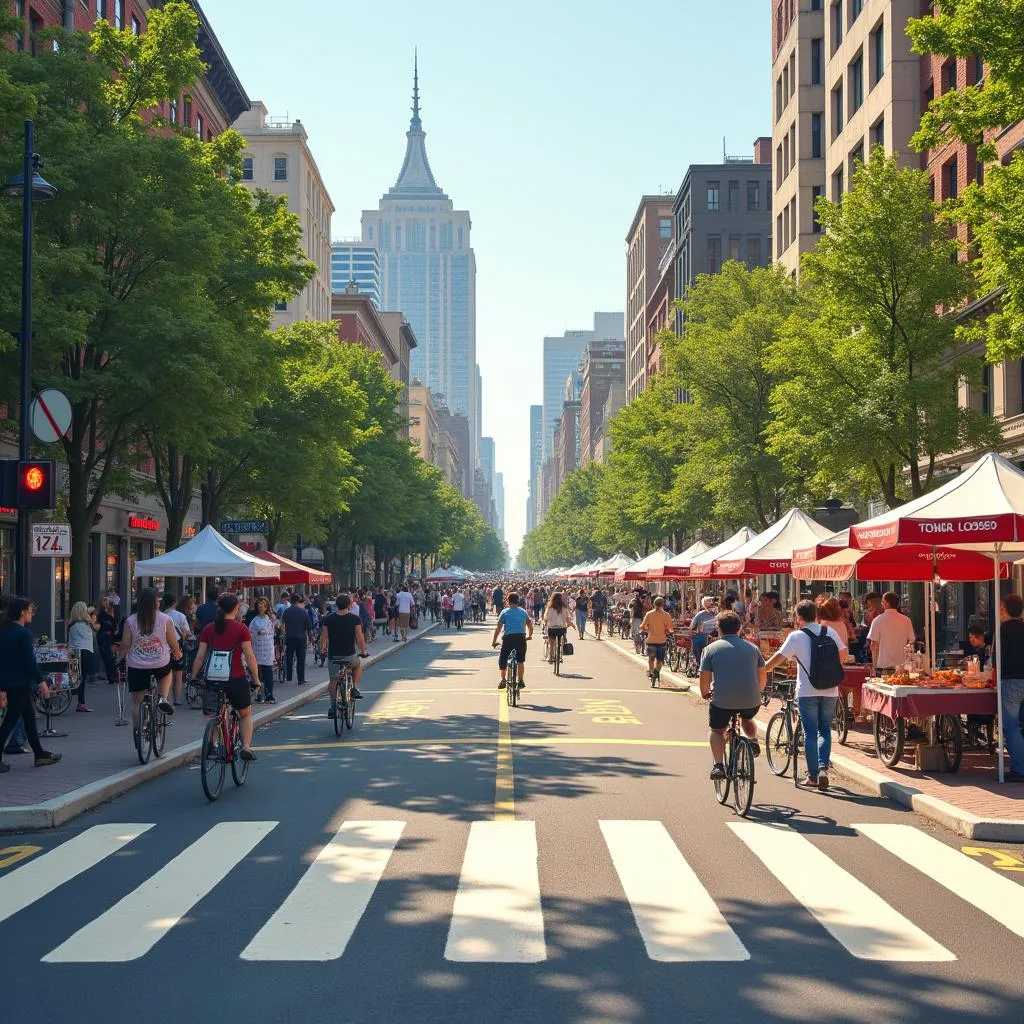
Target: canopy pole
{"points": [[997, 629]]}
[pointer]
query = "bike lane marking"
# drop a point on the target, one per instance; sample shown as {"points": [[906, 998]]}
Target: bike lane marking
{"points": [[504, 778]]}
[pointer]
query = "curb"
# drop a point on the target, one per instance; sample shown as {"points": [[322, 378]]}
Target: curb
{"points": [[682, 685], [876, 783], [59, 810]]}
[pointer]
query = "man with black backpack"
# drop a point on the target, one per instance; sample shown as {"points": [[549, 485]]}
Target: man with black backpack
{"points": [[818, 651]]}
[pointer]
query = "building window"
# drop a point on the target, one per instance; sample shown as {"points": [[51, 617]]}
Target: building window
{"points": [[174, 111], [778, 161], [136, 26], [768, 195], [714, 255], [837, 110], [856, 6], [816, 193], [246, 168], [837, 24], [713, 201], [199, 127], [950, 184], [753, 250], [734, 248], [979, 171], [664, 228], [878, 133], [734, 195], [19, 12], [949, 76], [817, 46], [816, 144], [837, 186], [815, 5], [753, 196], [280, 307], [986, 389], [877, 54], [101, 9], [778, 235], [280, 168], [186, 119], [785, 84], [979, 69], [857, 83], [856, 157], [118, 14], [929, 95], [778, 97]]}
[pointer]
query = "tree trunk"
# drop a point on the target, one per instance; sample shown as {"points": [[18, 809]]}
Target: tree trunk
{"points": [[353, 578], [81, 512]]}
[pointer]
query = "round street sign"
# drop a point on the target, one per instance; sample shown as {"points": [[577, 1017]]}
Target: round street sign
{"points": [[50, 415]]}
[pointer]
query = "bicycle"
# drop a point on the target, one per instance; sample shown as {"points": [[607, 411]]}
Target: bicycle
{"points": [[512, 687], [344, 711], [149, 725], [216, 756], [319, 657], [193, 687], [556, 654], [784, 737], [739, 770]]}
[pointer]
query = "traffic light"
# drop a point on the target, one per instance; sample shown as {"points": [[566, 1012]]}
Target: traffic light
{"points": [[37, 484]]}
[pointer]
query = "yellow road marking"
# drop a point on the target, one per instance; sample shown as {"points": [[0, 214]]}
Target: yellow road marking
{"points": [[1001, 859], [486, 741], [12, 854], [504, 779]]}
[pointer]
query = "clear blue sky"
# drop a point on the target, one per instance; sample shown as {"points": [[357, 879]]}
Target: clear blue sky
{"points": [[546, 119]]}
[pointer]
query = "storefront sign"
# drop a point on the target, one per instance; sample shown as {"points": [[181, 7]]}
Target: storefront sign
{"points": [[237, 526], [188, 531], [140, 523], [8, 511], [51, 540]]}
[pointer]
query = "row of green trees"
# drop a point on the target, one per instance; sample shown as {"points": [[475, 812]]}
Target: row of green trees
{"points": [[155, 274], [780, 394]]}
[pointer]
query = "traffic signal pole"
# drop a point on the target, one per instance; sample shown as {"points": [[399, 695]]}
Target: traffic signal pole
{"points": [[24, 423]]}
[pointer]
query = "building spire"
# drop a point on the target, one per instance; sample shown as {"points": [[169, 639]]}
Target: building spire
{"points": [[415, 125]]}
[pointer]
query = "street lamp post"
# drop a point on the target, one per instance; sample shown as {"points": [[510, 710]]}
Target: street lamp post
{"points": [[31, 187]]}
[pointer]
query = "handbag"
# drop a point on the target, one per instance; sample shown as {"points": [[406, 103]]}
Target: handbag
{"points": [[568, 649]]}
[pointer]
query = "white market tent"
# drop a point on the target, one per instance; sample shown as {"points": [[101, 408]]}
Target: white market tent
{"points": [[702, 567], [639, 570], [610, 566], [771, 552], [678, 567], [208, 554]]}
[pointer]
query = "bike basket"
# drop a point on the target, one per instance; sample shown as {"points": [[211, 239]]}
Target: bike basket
{"points": [[211, 698]]}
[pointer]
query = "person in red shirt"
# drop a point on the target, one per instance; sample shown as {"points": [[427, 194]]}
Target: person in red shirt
{"points": [[226, 633]]}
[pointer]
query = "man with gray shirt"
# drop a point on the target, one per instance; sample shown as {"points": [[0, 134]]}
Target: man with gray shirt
{"points": [[732, 676]]}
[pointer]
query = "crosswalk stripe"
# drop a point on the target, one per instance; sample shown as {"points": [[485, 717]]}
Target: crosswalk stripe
{"points": [[318, 918], [677, 918], [995, 895], [856, 916], [37, 878], [497, 916], [135, 924]]}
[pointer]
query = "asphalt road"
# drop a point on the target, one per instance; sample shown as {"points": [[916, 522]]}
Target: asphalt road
{"points": [[451, 859]]}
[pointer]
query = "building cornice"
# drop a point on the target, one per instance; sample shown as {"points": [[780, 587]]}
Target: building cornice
{"points": [[220, 74]]}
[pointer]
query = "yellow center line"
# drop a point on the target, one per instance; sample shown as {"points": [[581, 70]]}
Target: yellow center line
{"points": [[486, 741], [504, 778]]}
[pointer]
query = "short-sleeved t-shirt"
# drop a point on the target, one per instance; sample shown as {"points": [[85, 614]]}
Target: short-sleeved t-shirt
{"points": [[341, 634], [733, 663], [598, 604], [514, 619], [206, 613], [704, 622], [798, 646], [235, 634], [557, 619], [459, 601], [658, 625], [296, 622], [405, 602], [892, 631]]}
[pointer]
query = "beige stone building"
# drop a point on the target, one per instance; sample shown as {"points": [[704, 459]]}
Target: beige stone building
{"points": [[423, 426], [844, 80], [278, 158]]}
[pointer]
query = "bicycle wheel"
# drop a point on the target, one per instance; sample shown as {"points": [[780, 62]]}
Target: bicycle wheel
{"points": [[339, 711], [743, 777], [159, 731], [558, 657], [798, 745], [778, 744], [211, 762], [513, 679], [841, 721], [60, 701], [193, 694], [722, 785], [950, 735], [889, 734], [239, 766], [350, 709], [142, 723]]}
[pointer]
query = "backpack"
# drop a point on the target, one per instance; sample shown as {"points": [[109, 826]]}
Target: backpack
{"points": [[826, 668]]}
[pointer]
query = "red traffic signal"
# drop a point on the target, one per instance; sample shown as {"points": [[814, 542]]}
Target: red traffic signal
{"points": [[37, 484]]}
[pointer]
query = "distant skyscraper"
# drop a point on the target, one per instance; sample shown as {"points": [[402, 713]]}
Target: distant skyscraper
{"points": [[499, 503], [562, 356], [536, 459], [354, 261], [428, 271]]}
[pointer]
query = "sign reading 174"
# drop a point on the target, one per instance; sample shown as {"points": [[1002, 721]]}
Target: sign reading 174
{"points": [[51, 540]]}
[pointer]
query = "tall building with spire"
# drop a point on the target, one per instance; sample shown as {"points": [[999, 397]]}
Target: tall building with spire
{"points": [[428, 270]]}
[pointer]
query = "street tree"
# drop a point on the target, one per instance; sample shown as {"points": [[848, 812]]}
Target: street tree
{"points": [[866, 387]]}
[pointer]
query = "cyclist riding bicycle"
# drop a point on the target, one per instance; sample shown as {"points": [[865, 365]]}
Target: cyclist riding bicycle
{"points": [[657, 624], [556, 621], [518, 629], [732, 678], [341, 634]]}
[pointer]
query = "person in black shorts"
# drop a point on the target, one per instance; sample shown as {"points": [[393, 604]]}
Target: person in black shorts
{"points": [[342, 632], [598, 610], [732, 677], [227, 633]]}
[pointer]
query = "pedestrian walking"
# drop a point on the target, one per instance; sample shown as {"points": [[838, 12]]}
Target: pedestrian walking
{"points": [[82, 629], [106, 638], [581, 613], [20, 679], [261, 627], [168, 605], [296, 635]]}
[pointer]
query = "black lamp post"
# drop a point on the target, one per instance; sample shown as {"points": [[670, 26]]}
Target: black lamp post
{"points": [[39, 190]]}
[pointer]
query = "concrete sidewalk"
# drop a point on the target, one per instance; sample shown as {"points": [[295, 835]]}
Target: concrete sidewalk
{"points": [[99, 760], [970, 802]]}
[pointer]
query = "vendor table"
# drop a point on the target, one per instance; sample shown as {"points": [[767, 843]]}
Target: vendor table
{"points": [[892, 705]]}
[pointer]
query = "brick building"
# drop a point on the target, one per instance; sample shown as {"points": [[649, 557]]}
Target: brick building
{"points": [[603, 364]]}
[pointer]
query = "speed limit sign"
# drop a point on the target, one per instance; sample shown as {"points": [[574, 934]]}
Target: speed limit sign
{"points": [[51, 540]]}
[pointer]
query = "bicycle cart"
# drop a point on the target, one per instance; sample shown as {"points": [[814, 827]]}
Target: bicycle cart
{"points": [[62, 669], [892, 705]]}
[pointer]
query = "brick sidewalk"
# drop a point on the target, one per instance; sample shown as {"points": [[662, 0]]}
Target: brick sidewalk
{"points": [[970, 801], [96, 750]]}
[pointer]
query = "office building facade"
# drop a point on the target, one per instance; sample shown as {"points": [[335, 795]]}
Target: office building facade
{"points": [[352, 262], [602, 367], [428, 270], [536, 461]]}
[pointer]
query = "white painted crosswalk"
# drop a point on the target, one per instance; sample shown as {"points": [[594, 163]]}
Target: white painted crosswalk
{"points": [[496, 911]]}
